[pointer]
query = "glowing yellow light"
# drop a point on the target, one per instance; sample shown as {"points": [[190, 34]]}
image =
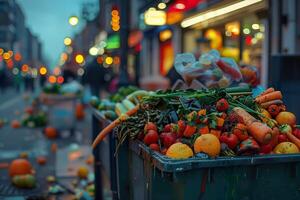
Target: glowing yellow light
{"points": [[155, 17], [6, 56], [108, 60], [11, 53], [114, 12], [162, 6], [67, 41], [180, 6], [73, 20], [52, 79], [255, 26], [25, 68], [79, 58], [116, 28], [43, 70], [165, 35], [216, 13], [1, 51], [93, 51]]}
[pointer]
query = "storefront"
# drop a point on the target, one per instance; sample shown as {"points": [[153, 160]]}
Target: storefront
{"points": [[237, 29]]}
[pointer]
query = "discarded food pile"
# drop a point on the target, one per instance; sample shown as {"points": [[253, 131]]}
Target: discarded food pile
{"points": [[216, 122]]}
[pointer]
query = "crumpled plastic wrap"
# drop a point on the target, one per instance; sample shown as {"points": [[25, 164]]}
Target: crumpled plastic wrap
{"points": [[210, 69]]}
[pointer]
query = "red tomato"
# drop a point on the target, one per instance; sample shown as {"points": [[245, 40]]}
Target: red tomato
{"points": [[167, 128], [240, 130], [151, 137], [266, 149], [230, 139], [154, 147], [282, 138], [150, 126], [222, 105]]}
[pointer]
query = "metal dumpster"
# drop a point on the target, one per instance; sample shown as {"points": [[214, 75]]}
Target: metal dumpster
{"points": [[154, 176]]}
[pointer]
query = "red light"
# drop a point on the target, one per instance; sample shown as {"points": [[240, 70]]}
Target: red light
{"points": [[18, 57], [99, 59], [25, 68], [60, 79], [248, 40], [10, 64]]}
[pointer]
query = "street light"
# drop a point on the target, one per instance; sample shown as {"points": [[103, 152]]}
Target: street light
{"points": [[67, 41], [79, 58], [73, 20]]}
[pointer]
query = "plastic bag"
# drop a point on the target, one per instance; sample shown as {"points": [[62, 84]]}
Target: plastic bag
{"points": [[210, 69]]}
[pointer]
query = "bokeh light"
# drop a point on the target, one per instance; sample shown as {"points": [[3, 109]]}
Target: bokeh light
{"points": [[60, 80], [73, 20], [43, 70], [25, 68], [108, 60], [79, 58], [52, 79], [67, 41]]}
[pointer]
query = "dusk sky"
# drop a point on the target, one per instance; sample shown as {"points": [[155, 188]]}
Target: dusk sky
{"points": [[48, 19]]}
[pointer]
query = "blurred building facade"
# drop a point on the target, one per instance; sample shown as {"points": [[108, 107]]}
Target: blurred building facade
{"points": [[16, 37]]}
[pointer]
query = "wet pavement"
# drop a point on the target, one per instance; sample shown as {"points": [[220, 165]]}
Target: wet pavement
{"points": [[33, 143]]}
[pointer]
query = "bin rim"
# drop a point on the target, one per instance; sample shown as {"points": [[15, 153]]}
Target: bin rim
{"points": [[166, 164]]}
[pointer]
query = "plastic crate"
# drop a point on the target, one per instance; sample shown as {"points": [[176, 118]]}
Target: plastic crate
{"points": [[154, 176]]}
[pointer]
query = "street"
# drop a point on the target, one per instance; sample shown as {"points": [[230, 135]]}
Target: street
{"points": [[31, 143]]}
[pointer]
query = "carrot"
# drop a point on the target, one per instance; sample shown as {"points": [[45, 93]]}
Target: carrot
{"points": [[267, 104], [293, 139], [204, 130], [267, 91], [244, 115], [261, 132], [112, 125], [269, 97]]}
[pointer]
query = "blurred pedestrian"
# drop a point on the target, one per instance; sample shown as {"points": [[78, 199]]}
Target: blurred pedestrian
{"points": [[96, 77]]}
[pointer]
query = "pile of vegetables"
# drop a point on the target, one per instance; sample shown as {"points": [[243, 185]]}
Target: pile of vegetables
{"points": [[209, 123], [119, 103], [35, 119]]}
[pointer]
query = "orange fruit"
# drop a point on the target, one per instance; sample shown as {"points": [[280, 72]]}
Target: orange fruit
{"points": [[209, 144], [82, 172], [15, 124], [179, 151], [286, 118], [50, 132], [41, 160], [20, 166]]}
